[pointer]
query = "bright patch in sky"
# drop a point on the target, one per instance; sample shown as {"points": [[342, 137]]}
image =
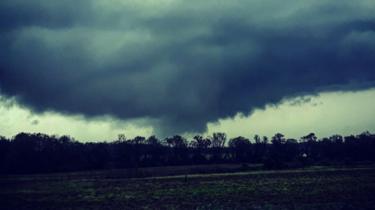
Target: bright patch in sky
{"points": [[326, 114], [15, 119]]}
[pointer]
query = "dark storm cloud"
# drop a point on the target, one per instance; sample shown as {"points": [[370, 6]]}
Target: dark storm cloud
{"points": [[16, 13], [181, 63]]}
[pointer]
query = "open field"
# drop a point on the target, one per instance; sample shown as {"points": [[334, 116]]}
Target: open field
{"points": [[145, 172], [314, 188]]}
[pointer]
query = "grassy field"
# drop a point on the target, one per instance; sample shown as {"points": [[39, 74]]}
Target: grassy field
{"points": [[314, 188]]}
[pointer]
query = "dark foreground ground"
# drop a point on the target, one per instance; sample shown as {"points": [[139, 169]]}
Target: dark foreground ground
{"points": [[314, 188]]}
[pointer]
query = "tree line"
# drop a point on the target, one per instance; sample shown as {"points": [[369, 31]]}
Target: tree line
{"points": [[41, 153]]}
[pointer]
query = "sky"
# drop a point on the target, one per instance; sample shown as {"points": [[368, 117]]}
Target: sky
{"points": [[96, 68]]}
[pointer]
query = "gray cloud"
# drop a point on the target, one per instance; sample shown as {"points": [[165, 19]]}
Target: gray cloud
{"points": [[178, 63]]}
